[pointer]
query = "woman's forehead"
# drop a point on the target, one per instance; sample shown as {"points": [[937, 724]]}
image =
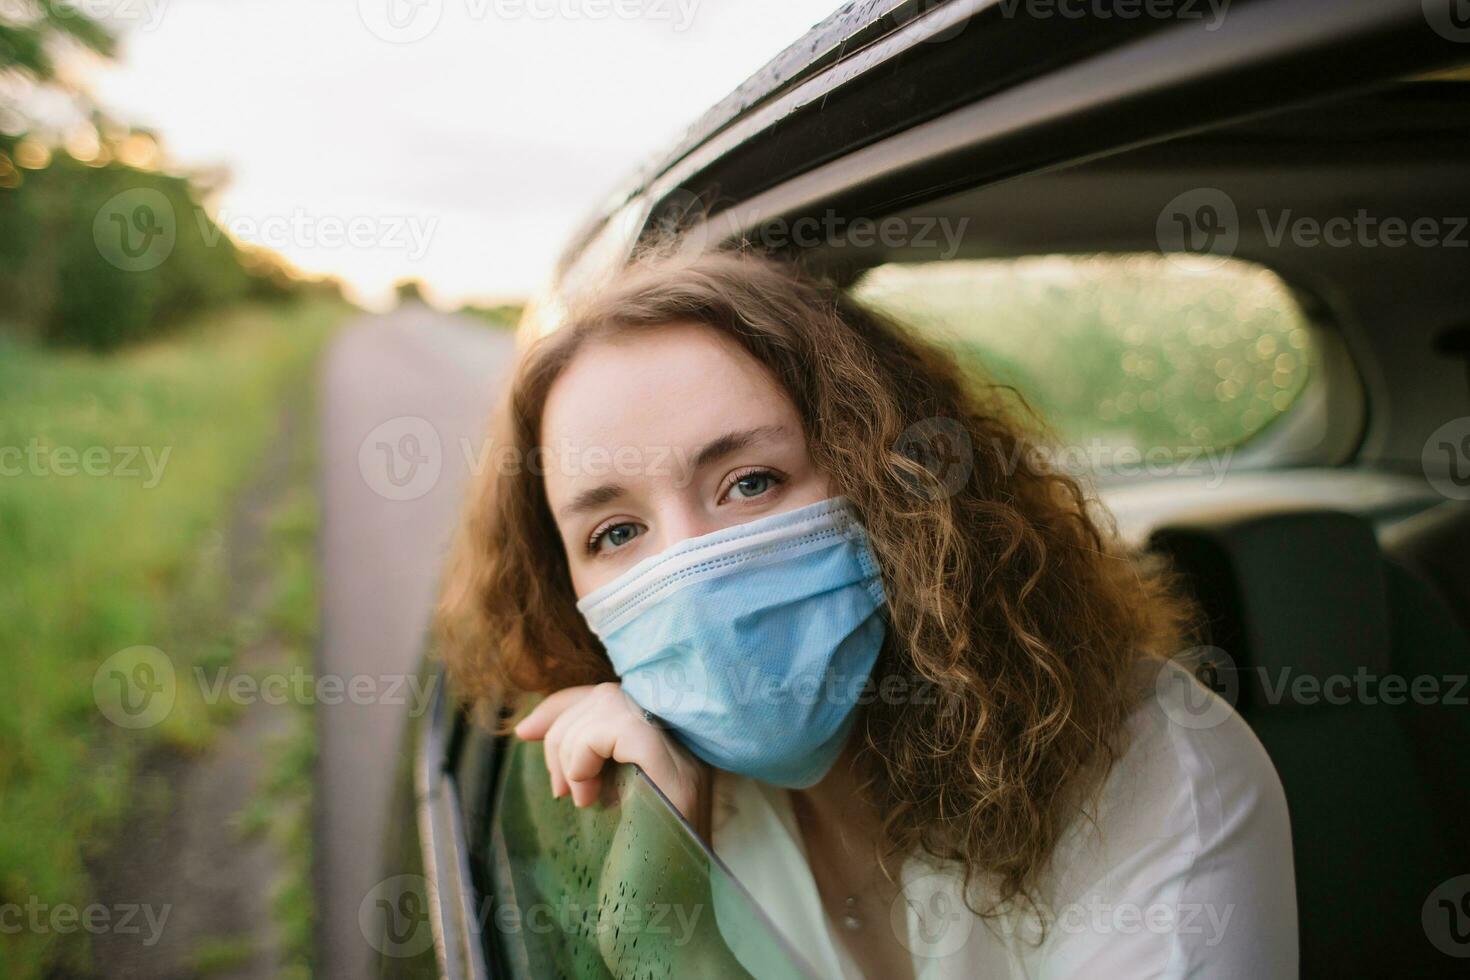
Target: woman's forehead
{"points": [[663, 380], [661, 392]]}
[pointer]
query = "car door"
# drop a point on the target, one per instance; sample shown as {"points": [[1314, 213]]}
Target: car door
{"points": [[491, 876]]}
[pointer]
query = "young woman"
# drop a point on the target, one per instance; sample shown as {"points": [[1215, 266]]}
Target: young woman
{"points": [[779, 553]]}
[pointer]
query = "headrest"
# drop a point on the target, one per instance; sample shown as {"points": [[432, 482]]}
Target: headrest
{"points": [[1288, 594]]}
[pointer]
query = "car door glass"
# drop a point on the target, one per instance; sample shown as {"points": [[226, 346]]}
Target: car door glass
{"points": [[622, 889]]}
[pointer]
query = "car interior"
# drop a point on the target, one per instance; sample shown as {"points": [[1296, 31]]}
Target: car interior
{"points": [[1324, 552]]}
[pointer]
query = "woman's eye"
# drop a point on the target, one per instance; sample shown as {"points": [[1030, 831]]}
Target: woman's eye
{"points": [[753, 485], [615, 536]]}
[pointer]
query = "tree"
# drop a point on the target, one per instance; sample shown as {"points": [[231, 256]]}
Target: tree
{"points": [[31, 31]]}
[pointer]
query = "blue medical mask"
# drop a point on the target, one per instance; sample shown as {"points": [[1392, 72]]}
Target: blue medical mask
{"points": [[754, 643]]}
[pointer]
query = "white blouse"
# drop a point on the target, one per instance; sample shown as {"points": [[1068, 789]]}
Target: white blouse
{"points": [[1186, 872]]}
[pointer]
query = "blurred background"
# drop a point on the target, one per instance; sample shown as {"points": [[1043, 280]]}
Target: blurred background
{"points": [[199, 199]]}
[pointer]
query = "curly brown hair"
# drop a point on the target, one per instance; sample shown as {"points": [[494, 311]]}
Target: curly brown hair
{"points": [[1010, 600]]}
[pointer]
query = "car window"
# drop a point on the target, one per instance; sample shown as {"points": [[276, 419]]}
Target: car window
{"points": [[1160, 356], [620, 889]]}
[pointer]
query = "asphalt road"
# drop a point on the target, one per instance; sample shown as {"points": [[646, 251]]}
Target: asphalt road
{"points": [[405, 398]]}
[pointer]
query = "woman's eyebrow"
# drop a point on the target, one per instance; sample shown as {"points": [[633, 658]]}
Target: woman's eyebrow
{"points": [[591, 498], [732, 441]]}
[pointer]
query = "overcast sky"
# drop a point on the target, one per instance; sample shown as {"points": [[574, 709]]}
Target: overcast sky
{"points": [[465, 138]]}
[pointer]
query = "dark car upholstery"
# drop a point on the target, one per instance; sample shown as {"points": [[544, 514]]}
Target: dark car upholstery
{"points": [[1316, 621]]}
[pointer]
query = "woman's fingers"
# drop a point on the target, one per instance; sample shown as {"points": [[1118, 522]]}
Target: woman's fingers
{"points": [[547, 722], [534, 726], [583, 749], [583, 727], [556, 735]]}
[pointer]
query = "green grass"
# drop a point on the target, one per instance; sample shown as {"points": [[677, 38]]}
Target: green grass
{"points": [[222, 954], [98, 563]]}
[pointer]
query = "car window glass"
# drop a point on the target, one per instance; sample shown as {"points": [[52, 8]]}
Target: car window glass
{"points": [[1162, 356], [620, 889]]}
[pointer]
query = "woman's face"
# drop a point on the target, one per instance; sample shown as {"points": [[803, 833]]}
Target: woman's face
{"points": [[664, 435]]}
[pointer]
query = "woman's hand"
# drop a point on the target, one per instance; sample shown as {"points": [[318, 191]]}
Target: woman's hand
{"points": [[583, 727]]}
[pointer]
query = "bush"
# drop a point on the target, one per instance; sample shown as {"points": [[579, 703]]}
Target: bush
{"points": [[98, 257]]}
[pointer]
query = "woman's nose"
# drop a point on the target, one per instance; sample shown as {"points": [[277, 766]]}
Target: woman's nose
{"points": [[681, 523]]}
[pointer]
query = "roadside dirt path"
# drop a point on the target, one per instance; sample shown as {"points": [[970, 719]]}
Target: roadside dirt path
{"points": [[183, 849]]}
